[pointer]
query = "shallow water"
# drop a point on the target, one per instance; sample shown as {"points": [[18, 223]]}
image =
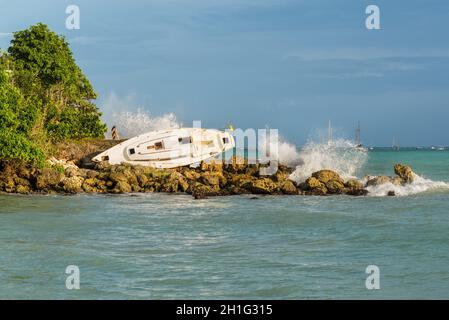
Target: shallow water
{"points": [[171, 246]]}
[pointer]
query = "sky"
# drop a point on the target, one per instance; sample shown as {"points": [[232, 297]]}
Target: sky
{"points": [[286, 64]]}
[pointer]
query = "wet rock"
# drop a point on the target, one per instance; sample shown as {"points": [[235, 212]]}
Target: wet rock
{"points": [[376, 181], [325, 176], [357, 192], [252, 170], [288, 187], [201, 191], [239, 180], [191, 174], [73, 184], [335, 187], [122, 187], [71, 172], [397, 181], [314, 186], [237, 165], [404, 172], [261, 186], [7, 184], [391, 193], [23, 189], [354, 184], [209, 178], [88, 173], [49, 179], [280, 176], [89, 185], [214, 166]]}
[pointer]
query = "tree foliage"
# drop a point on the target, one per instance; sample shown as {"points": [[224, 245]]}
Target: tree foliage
{"points": [[43, 93]]}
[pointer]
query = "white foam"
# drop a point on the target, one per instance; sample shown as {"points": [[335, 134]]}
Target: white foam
{"points": [[338, 155], [132, 120], [419, 185]]}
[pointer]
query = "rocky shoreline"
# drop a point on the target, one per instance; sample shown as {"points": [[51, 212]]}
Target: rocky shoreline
{"points": [[74, 174]]}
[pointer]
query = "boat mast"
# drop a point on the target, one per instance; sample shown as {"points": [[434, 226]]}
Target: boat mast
{"points": [[357, 135]]}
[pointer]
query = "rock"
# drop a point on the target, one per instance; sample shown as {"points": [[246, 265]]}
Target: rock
{"points": [[325, 176], [201, 191], [49, 179], [252, 170], [89, 185], [313, 186], [142, 179], [210, 178], [175, 182], [354, 184], [239, 180], [280, 176], [237, 165], [397, 181], [23, 171], [117, 177], [335, 187], [355, 188], [376, 181], [404, 172], [391, 194], [103, 165], [191, 174], [122, 187], [71, 172], [213, 166], [261, 186], [23, 189], [357, 192], [21, 182], [72, 184], [288, 187], [87, 173]]}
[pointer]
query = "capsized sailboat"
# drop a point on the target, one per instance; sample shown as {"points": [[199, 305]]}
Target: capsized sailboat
{"points": [[169, 148]]}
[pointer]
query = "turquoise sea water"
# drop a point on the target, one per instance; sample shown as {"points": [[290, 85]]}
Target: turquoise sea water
{"points": [[159, 246]]}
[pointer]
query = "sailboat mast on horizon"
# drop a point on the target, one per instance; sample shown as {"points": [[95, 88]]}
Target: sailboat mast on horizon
{"points": [[330, 133], [395, 145], [358, 142]]}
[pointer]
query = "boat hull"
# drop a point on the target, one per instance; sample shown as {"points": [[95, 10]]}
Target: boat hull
{"points": [[169, 148]]}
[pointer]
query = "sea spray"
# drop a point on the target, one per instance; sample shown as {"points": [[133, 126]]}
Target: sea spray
{"points": [[419, 185], [130, 124], [339, 155], [287, 153], [131, 120]]}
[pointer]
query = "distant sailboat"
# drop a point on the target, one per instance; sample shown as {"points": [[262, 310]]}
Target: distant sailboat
{"points": [[395, 145], [358, 140], [330, 133]]}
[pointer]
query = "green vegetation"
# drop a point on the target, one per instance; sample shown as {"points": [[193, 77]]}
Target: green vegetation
{"points": [[44, 96]]}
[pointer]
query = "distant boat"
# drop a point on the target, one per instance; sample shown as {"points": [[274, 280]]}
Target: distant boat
{"points": [[169, 148], [395, 146], [358, 141], [330, 133]]}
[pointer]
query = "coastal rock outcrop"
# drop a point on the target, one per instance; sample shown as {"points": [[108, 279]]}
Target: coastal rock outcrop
{"points": [[404, 172], [205, 180]]}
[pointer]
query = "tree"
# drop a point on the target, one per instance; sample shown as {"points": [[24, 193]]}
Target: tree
{"points": [[15, 123], [48, 76]]}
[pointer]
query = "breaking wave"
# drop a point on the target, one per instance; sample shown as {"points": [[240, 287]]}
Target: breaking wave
{"points": [[419, 185], [339, 155], [130, 120]]}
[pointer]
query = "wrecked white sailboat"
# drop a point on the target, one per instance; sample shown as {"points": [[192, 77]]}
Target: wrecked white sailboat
{"points": [[169, 148]]}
